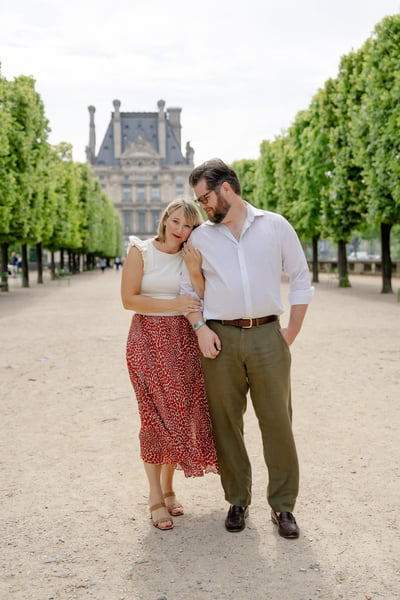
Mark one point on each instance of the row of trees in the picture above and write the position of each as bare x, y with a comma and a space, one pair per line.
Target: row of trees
336, 170
47, 200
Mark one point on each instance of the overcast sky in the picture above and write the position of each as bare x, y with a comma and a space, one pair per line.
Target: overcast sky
240, 70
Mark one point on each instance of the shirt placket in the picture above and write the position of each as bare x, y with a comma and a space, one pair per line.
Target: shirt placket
245, 281
244, 275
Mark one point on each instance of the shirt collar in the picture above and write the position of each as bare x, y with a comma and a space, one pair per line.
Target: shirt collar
252, 212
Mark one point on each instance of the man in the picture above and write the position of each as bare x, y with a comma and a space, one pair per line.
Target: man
244, 251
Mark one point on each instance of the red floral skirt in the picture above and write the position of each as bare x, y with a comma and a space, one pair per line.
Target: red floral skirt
164, 367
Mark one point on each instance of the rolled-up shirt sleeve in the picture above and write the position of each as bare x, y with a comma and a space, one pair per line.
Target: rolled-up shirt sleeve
296, 267
301, 296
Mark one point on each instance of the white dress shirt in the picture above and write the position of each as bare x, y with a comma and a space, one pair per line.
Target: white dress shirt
243, 277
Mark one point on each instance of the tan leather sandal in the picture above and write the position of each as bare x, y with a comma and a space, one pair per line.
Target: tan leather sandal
159, 522
175, 509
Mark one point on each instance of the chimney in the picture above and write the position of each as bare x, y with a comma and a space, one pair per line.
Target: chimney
174, 116
117, 129
91, 148
162, 134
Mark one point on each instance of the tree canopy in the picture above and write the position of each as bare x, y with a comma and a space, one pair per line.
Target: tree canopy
46, 199
337, 167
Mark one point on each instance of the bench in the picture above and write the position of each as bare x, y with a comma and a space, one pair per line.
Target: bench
64, 275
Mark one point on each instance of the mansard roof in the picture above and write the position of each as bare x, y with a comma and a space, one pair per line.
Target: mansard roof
133, 125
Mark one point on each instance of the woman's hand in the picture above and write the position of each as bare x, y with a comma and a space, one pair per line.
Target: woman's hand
191, 257
187, 303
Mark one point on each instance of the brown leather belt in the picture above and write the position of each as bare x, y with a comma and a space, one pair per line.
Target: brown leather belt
247, 323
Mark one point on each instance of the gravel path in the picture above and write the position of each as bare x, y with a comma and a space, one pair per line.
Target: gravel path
74, 518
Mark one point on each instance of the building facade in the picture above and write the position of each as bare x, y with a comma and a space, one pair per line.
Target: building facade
140, 165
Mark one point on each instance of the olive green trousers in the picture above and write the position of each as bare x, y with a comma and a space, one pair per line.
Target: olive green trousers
255, 360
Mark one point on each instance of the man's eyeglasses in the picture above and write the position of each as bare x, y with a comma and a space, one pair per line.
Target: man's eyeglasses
203, 199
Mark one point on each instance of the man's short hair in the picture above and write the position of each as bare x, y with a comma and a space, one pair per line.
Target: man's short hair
215, 172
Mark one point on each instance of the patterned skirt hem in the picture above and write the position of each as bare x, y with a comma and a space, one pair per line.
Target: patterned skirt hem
189, 471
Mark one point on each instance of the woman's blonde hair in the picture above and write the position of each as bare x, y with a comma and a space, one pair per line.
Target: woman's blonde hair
192, 214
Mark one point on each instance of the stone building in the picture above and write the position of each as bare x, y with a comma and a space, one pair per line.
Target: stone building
140, 165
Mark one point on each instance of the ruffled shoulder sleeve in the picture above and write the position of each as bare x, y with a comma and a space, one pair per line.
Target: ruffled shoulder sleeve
138, 243
144, 246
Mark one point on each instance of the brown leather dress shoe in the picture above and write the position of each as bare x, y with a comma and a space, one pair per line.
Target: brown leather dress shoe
235, 520
287, 526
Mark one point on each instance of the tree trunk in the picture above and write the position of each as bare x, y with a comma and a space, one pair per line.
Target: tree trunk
342, 265
61, 258
39, 259
52, 266
315, 259
76, 259
386, 259
4, 267
25, 266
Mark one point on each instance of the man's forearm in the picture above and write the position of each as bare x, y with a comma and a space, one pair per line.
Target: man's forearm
296, 318
194, 317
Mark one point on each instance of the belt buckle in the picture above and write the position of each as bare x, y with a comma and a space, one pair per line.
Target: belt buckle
249, 326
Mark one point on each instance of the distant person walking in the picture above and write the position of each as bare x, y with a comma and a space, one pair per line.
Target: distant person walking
117, 262
103, 264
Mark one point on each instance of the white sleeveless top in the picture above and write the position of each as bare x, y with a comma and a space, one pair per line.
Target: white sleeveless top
161, 273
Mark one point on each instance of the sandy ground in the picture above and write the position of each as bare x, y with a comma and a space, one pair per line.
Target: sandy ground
74, 517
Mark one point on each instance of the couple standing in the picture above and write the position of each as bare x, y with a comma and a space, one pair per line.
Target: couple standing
234, 263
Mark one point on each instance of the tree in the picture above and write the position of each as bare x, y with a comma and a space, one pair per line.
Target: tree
377, 133
66, 232
311, 162
285, 187
346, 207
28, 145
89, 192
265, 177
245, 170
338, 218
8, 196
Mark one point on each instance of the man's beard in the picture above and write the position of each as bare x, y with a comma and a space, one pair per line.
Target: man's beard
220, 211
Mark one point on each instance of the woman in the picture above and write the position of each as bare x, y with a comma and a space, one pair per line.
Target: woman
164, 360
